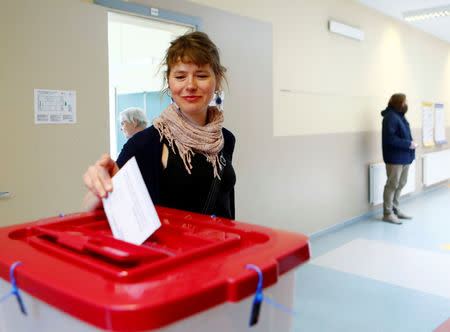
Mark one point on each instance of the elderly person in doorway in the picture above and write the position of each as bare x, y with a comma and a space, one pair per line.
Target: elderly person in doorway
132, 120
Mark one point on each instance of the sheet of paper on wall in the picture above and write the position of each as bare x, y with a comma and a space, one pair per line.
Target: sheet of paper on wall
427, 124
55, 106
439, 124
129, 208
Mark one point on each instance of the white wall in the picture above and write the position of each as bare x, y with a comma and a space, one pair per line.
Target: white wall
301, 157
58, 45
323, 76
328, 92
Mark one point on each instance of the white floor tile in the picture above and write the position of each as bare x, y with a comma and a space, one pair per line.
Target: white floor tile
418, 269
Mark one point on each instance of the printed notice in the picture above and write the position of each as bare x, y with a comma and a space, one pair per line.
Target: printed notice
427, 124
129, 208
54, 106
439, 124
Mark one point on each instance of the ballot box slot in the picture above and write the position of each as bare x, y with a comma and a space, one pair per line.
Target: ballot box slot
178, 242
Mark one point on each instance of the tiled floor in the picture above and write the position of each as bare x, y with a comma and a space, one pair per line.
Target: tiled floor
376, 276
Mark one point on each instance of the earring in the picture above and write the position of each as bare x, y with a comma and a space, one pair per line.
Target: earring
219, 100
171, 99
170, 95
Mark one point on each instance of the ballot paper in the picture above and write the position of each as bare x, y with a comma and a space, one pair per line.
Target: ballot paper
129, 208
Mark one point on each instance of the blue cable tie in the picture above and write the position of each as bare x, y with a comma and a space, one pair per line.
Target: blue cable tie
61, 214
259, 297
260, 275
15, 289
279, 306
257, 300
213, 216
5, 297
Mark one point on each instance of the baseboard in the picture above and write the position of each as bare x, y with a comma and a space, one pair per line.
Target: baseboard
375, 211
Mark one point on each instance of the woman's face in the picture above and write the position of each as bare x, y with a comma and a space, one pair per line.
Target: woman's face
405, 106
192, 89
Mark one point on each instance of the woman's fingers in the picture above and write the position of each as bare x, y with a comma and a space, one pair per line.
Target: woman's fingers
109, 164
91, 202
98, 176
93, 182
102, 175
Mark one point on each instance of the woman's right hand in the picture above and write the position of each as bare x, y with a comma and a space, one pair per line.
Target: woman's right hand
98, 180
413, 145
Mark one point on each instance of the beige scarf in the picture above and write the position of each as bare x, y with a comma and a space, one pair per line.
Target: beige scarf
190, 138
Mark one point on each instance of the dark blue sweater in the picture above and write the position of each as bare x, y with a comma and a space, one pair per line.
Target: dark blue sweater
146, 146
396, 138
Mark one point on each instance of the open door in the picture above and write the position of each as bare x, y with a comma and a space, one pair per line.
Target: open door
136, 49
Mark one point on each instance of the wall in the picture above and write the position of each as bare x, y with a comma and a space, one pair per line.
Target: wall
50, 44
52, 159
302, 154
312, 172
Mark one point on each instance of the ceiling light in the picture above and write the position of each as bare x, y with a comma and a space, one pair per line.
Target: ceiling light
427, 13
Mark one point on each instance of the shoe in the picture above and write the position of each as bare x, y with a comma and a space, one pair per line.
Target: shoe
392, 218
401, 215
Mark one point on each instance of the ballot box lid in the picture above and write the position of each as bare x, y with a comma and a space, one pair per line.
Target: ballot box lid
191, 263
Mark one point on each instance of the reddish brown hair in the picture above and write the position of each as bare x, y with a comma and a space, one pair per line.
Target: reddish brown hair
397, 101
197, 48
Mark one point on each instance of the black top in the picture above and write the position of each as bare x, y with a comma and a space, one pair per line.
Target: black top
189, 192
174, 187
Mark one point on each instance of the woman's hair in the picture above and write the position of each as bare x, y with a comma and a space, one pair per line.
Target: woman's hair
396, 101
134, 113
197, 48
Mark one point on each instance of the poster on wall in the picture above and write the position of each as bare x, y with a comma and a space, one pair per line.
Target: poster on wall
439, 124
54, 106
427, 124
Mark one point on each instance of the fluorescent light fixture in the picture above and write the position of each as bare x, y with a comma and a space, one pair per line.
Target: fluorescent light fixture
426, 14
345, 30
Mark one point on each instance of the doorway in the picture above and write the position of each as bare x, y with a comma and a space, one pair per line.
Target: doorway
136, 47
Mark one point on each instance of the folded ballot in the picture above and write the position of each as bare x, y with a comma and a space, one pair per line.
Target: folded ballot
129, 208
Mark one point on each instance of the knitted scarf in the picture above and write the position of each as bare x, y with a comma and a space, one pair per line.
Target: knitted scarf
190, 138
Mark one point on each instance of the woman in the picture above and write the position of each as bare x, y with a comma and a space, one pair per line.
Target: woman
398, 154
185, 157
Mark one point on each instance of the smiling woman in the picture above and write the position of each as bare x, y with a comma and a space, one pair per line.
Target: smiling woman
192, 89
185, 157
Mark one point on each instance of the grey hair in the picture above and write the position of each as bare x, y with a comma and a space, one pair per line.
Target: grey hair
134, 113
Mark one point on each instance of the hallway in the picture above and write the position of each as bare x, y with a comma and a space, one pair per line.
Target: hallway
376, 276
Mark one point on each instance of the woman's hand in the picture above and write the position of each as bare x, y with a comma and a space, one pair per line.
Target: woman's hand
413, 145
98, 180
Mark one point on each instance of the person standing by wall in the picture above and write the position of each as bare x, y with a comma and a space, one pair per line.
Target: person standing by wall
398, 154
132, 121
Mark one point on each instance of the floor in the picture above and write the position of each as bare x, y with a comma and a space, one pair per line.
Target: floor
376, 276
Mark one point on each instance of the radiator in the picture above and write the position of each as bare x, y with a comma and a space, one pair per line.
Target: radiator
377, 180
436, 167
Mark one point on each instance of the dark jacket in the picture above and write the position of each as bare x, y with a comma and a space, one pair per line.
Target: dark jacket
146, 146
396, 138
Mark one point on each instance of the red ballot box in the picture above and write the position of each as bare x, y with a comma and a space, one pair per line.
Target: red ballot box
190, 275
